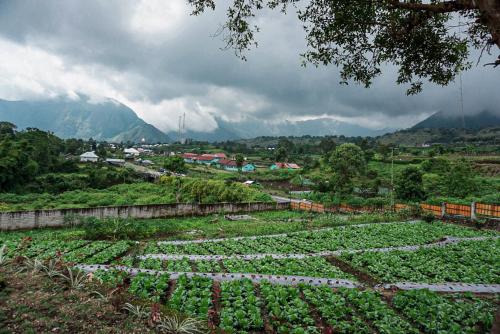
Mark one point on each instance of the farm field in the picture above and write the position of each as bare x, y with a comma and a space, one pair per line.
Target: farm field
200, 278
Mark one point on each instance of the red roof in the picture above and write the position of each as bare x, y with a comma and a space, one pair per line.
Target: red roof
227, 162
293, 166
205, 157
220, 155
189, 155
286, 165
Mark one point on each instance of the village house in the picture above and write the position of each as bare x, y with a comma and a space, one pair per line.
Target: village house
284, 165
116, 162
89, 157
131, 152
226, 164
207, 159
231, 165
189, 157
248, 168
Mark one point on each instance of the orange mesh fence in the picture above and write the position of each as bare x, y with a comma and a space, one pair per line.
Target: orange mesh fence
434, 209
305, 206
399, 206
491, 210
457, 209
347, 208
317, 208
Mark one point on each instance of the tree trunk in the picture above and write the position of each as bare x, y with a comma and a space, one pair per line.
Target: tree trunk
490, 16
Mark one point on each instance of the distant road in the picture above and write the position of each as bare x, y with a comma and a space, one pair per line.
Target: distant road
281, 199
143, 170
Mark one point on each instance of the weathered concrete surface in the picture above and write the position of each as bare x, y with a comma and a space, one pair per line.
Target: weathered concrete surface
51, 218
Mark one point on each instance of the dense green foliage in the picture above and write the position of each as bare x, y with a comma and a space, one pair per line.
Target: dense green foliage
409, 185
175, 164
211, 191
123, 194
459, 181
347, 162
26, 154
170, 190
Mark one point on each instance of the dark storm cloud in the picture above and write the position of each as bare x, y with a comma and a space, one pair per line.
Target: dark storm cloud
156, 57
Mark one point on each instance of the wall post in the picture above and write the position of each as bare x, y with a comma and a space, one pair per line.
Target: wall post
443, 209
473, 211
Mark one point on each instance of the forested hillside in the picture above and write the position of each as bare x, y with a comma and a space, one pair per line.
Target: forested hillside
82, 118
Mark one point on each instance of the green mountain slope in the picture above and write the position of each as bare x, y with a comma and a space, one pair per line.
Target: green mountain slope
440, 120
106, 120
417, 137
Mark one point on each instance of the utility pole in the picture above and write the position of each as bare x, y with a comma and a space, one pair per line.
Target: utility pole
183, 140
392, 179
179, 130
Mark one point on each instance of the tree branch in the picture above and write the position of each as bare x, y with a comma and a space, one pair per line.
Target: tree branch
441, 7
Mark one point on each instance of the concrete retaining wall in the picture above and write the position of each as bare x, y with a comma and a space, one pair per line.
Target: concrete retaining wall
48, 218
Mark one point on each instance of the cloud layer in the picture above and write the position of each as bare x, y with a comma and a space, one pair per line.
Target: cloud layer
162, 62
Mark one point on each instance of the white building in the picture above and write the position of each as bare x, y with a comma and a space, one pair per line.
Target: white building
116, 162
131, 151
89, 156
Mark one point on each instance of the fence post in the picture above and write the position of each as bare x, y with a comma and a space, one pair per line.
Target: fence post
443, 209
473, 211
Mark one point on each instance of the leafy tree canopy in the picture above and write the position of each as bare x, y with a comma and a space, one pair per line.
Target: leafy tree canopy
409, 185
421, 38
459, 180
175, 164
347, 162
240, 159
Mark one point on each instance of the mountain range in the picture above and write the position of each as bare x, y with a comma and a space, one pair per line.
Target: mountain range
256, 128
441, 120
113, 121
81, 118
480, 128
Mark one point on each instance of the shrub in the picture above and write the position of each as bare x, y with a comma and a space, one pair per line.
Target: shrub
115, 229
409, 185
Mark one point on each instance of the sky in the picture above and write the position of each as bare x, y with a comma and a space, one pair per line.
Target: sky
156, 58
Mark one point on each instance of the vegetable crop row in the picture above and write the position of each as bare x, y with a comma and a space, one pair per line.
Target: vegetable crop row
192, 296
435, 313
468, 262
240, 307
373, 236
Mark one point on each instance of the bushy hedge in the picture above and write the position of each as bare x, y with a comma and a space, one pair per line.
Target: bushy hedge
194, 190
328, 199
169, 190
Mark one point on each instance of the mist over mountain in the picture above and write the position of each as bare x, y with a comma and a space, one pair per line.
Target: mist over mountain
441, 120
256, 128
81, 118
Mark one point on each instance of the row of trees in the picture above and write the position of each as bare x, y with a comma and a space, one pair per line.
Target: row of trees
450, 180
349, 175
37, 161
